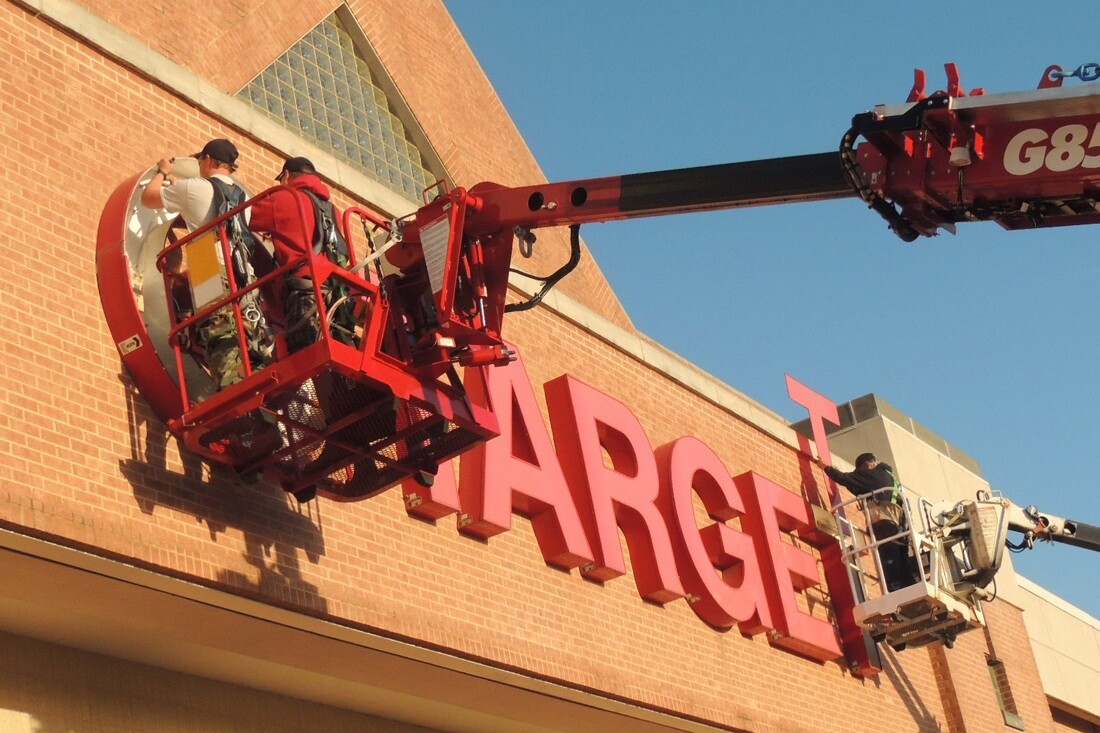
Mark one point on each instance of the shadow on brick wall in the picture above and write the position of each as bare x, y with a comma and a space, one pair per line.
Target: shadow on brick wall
908, 693
276, 529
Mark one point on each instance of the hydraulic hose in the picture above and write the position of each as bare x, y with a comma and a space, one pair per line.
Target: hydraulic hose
887, 210
551, 280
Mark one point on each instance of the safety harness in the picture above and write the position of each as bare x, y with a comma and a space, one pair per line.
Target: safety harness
242, 247
330, 242
895, 497
890, 506
326, 235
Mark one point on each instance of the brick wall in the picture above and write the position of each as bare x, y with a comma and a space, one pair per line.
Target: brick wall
83, 461
1008, 640
429, 62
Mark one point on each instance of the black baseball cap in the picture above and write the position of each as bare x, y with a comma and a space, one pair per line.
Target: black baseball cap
864, 458
297, 165
221, 150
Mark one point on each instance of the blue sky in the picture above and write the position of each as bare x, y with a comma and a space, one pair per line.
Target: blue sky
989, 338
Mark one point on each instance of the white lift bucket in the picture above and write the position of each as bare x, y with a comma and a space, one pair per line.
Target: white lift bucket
954, 551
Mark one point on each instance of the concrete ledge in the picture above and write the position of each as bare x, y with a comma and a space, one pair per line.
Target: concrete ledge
82, 600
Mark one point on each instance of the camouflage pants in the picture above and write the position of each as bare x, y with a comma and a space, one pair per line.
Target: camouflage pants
303, 319
218, 336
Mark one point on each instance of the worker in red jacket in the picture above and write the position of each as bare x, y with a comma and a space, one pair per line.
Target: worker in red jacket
301, 220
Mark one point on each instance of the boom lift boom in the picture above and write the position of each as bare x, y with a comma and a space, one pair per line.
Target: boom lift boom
431, 293
1045, 527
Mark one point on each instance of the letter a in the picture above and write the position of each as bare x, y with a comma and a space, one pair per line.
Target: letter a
587, 422
519, 471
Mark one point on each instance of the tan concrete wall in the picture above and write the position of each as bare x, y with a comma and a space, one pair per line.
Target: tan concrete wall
1066, 644
921, 467
45, 688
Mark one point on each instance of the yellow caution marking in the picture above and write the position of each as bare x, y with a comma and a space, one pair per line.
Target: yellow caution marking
204, 263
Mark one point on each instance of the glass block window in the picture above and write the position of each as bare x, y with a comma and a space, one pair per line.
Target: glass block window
323, 89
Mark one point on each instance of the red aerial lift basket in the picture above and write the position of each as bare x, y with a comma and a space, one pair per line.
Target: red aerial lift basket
344, 419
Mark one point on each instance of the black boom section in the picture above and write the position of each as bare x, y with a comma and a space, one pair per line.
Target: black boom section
1080, 534
814, 177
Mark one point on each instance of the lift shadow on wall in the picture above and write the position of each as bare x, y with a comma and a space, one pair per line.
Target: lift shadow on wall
276, 530
908, 693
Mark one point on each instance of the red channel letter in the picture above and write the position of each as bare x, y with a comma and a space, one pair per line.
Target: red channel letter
856, 646
788, 568
587, 423
519, 471
436, 501
820, 408
737, 595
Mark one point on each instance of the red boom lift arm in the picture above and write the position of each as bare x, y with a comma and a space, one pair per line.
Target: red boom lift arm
1025, 160
356, 418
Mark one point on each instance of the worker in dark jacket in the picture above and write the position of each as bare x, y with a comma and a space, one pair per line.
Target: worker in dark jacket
887, 516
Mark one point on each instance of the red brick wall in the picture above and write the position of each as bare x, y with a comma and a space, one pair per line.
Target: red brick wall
1009, 641
423, 53
83, 461
970, 697
226, 43
444, 85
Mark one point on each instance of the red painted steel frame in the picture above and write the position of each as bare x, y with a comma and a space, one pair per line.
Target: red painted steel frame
439, 418
1025, 160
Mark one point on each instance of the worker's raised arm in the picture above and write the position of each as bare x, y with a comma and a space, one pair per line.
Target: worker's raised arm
869, 476
151, 197
846, 480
